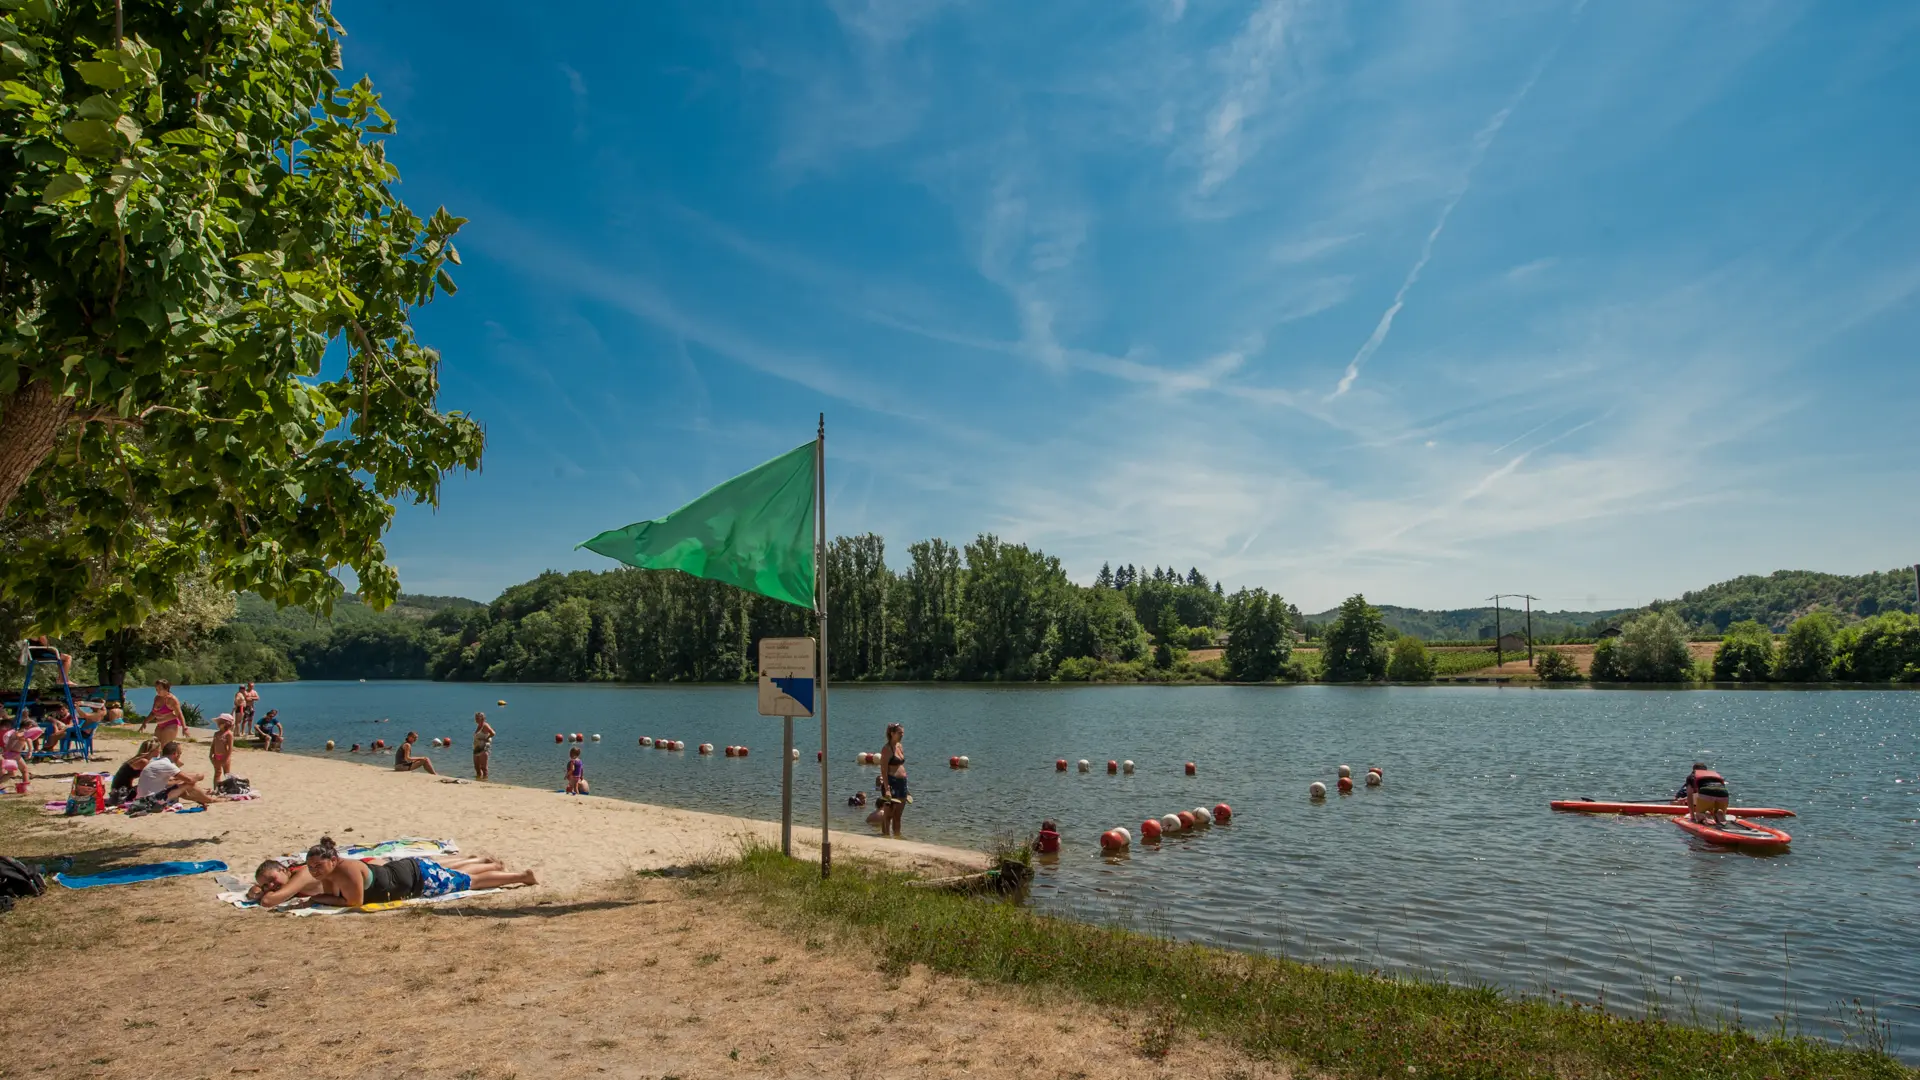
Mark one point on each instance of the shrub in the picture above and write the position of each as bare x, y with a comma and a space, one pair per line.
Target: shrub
1410, 661
1552, 665
1745, 654
1607, 666
1807, 653
1881, 649
1653, 648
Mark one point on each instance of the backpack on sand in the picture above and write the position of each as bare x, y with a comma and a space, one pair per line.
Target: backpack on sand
19, 879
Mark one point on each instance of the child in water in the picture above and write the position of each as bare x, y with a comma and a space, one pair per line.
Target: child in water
576, 773
1705, 792
858, 798
1048, 842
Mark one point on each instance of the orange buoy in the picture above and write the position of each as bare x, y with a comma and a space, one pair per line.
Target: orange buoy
1113, 840
1113, 767
953, 762
1346, 784
1149, 831
743, 752
1186, 819
1222, 813
1060, 765
557, 737
1190, 769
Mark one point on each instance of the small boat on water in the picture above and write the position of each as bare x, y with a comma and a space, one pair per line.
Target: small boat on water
1591, 806
1738, 833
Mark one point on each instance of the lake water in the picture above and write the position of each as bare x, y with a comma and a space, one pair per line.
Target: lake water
1454, 868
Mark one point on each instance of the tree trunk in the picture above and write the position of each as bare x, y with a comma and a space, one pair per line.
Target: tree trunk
30, 422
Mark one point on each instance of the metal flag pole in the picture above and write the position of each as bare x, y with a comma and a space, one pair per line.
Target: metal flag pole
820, 608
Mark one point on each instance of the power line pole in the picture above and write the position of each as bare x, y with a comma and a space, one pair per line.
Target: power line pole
1530, 600
1497, 658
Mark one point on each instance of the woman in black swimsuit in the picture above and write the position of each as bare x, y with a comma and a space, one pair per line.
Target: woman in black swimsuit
893, 766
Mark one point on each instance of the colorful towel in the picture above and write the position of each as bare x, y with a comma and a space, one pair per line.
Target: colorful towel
127, 875
239, 900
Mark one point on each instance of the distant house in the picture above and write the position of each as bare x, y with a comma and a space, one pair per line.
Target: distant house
1512, 643
1610, 632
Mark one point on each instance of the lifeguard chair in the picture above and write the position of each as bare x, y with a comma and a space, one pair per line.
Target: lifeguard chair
78, 735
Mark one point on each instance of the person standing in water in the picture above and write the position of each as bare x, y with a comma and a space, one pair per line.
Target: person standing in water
482, 745
893, 767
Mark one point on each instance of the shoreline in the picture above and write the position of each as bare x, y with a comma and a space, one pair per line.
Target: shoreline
570, 841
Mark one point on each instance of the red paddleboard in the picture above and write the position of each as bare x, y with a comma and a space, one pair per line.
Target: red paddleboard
1588, 806
1743, 834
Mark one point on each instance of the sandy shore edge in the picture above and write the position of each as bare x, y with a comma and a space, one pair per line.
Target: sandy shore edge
571, 842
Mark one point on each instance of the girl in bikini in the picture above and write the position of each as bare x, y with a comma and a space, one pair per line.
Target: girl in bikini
893, 766
482, 745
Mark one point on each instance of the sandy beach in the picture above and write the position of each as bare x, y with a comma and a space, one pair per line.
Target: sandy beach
596, 971
570, 841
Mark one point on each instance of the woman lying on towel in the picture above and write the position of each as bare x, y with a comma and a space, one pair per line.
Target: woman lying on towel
329, 879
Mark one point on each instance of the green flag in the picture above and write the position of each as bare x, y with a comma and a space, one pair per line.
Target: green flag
755, 531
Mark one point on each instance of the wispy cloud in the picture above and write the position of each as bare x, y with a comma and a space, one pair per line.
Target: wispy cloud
1482, 141
1248, 67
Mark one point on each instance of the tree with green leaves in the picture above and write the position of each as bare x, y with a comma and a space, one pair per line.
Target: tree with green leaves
1554, 666
1653, 648
1006, 610
1884, 648
1607, 665
1259, 639
1806, 655
1745, 654
1355, 649
206, 354
1105, 580
1410, 661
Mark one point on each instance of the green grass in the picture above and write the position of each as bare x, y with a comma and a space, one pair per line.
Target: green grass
1327, 1020
1459, 663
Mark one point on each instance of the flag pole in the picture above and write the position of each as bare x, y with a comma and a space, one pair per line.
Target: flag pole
820, 608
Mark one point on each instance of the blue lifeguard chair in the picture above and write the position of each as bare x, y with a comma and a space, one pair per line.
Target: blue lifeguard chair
79, 735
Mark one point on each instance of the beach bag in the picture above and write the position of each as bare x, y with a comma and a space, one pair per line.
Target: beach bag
234, 785
87, 796
19, 879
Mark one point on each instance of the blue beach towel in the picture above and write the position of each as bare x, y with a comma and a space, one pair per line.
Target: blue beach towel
126, 875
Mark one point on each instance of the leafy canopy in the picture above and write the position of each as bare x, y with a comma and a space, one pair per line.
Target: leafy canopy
206, 280
1355, 648
1745, 654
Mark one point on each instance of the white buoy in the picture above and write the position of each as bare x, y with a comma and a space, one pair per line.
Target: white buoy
1127, 767
966, 762
1202, 816
329, 744
596, 738
1317, 790
1170, 823
1373, 779
1085, 765
646, 740
1346, 770
796, 753
1126, 838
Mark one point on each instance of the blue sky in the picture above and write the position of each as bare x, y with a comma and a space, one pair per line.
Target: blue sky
1427, 300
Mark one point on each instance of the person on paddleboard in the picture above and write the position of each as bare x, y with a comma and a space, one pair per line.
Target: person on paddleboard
1705, 791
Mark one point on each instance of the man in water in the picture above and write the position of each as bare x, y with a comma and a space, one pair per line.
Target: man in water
1705, 792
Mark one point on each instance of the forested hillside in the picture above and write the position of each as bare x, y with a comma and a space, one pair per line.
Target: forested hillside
1478, 624
1777, 599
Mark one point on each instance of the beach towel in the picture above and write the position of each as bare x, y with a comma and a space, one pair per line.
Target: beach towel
233, 890
239, 900
127, 875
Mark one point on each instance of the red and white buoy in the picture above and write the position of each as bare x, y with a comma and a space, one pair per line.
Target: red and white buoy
1114, 840
706, 748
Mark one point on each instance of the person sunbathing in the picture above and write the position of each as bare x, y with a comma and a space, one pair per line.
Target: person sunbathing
329, 878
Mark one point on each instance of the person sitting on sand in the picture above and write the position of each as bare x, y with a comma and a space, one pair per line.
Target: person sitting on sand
576, 773
121, 789
163, 780
403, 759
346, 882
1705, 792
271, 737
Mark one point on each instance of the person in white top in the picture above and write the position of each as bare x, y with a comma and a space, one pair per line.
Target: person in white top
163, 776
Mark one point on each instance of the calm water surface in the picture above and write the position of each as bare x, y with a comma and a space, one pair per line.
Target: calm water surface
1454, 868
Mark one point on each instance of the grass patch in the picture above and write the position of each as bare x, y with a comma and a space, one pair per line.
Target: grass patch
1459, 663
1339, 1022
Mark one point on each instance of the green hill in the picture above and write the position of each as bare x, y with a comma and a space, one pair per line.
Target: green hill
1476, 624
1778, 598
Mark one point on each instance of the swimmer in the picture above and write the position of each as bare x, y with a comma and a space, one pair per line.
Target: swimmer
1048, 842
858, 798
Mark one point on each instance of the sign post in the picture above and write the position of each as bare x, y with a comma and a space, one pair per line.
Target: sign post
787, 668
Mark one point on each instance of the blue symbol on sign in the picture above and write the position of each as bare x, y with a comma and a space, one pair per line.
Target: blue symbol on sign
799, 688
